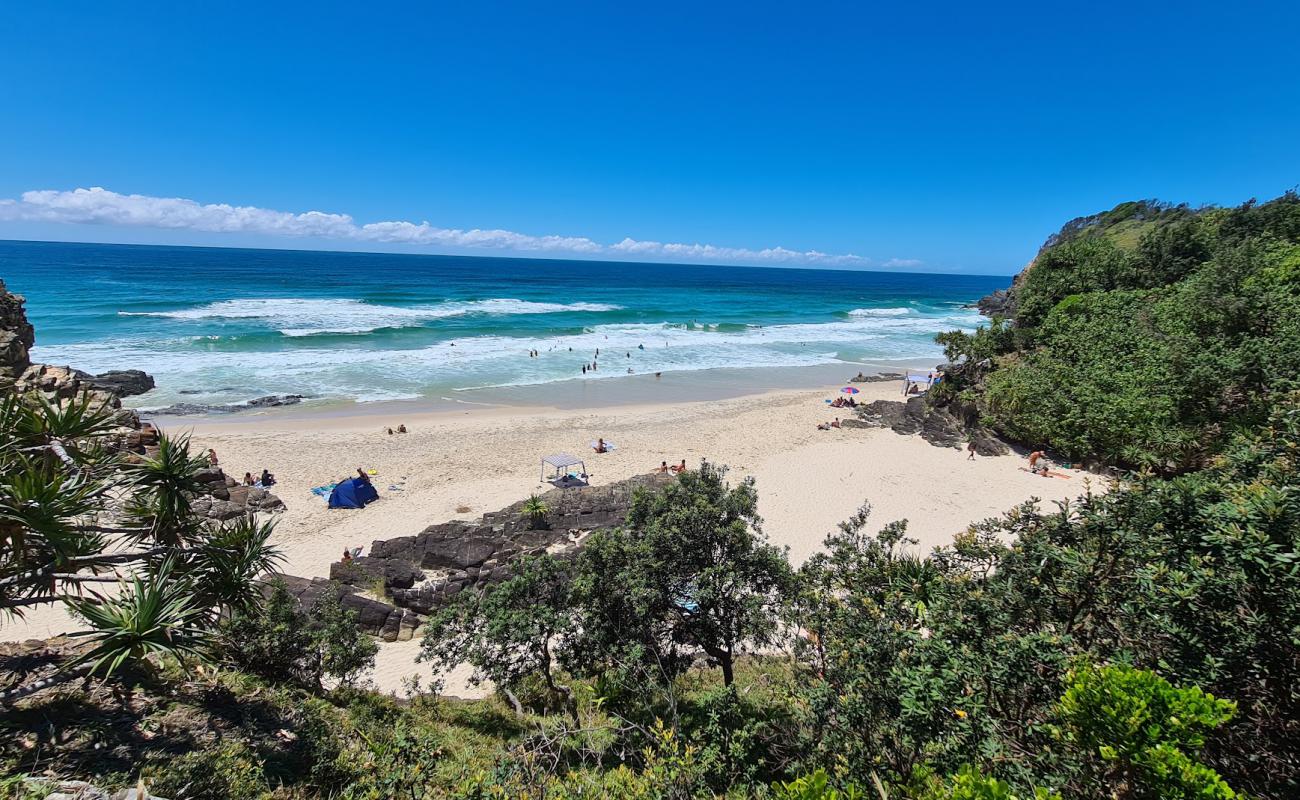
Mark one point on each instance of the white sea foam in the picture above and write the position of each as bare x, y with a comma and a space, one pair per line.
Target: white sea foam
880, 312
497, 360
308, 317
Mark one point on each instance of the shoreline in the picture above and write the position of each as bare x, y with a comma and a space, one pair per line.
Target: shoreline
462, 463
573, 394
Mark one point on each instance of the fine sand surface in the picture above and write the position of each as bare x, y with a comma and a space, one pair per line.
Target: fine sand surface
457, 465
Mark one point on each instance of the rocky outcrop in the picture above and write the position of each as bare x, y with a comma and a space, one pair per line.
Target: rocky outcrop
881, 377
57, 384
224, 498
942, 427
121, 382
998, 304
424, 571
16, 337
190, 409
373, 616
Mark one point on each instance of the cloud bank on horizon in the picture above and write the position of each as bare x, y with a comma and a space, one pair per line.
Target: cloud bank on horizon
99, 206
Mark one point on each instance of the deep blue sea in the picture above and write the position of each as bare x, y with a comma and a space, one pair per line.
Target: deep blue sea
225, 325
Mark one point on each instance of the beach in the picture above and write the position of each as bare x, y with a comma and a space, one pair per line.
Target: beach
459, 464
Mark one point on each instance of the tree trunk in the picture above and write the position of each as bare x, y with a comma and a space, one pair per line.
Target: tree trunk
10, 696
727, 675
514, 701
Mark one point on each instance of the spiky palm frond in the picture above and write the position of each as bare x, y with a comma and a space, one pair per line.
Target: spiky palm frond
43, 516
163, 488
155, 614
77, 426
226, 567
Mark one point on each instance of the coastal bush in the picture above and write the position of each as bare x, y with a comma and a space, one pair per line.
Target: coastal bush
690, 571
1145, 343
285, 644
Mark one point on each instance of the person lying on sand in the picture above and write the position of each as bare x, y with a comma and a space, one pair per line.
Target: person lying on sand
1045, 472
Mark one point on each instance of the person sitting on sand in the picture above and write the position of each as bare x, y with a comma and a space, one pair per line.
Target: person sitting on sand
362, 476
836, 423
267, 478
600, 446
390, 431
248, 479
347, 555
677, 469
212, 458
401, 429
663, 467
1035, 456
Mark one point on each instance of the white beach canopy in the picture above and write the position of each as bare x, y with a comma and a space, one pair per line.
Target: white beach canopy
561, 461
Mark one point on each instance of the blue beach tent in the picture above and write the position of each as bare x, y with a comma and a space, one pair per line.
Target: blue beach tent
353, 493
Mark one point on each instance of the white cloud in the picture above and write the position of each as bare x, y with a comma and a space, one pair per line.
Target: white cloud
98, 206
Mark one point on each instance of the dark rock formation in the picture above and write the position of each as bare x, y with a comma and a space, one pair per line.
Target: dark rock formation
463, 555
190, 409
121, 382
224, 498
950, 426
373, 616
878, 378
998, 304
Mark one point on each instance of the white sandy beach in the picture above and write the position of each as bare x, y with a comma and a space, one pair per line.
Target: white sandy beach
457, 465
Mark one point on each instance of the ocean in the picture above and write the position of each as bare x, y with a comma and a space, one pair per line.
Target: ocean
218, 325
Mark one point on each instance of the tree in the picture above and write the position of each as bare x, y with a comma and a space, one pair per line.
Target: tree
1145, 731
508, 632
74, 506
285, 643
692, 568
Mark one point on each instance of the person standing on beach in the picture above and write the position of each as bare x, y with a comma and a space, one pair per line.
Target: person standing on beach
970, 449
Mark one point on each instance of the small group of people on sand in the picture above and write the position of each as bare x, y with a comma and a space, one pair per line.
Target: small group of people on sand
400, 429
844, 402
263, 482
825, 426
675, 469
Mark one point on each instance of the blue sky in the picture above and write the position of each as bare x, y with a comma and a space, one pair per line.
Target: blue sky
937, 136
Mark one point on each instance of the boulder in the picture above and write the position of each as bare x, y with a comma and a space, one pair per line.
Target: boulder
122, 382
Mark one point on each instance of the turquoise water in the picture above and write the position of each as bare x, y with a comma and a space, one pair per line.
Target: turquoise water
217, 325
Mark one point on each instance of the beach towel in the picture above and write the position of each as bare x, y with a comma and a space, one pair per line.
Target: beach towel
609, 446
323, 491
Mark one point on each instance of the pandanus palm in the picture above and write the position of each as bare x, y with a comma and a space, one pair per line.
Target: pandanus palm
225, 568
153, 615
163, 489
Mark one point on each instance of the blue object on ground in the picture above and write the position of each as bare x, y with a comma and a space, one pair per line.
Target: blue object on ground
353, 493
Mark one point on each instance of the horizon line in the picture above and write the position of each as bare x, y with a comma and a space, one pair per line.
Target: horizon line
513, 257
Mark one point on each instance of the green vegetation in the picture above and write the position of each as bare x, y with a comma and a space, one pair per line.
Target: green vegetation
1146, 336
1135, 644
